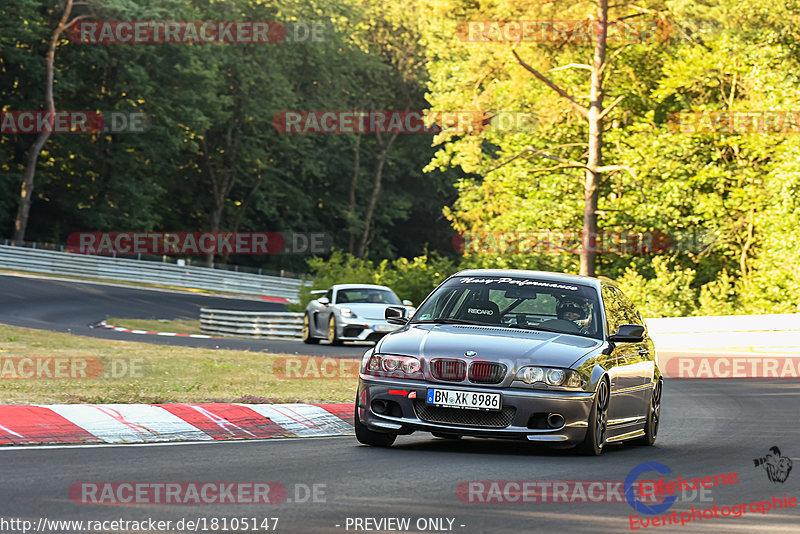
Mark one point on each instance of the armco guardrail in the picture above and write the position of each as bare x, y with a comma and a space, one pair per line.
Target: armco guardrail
194, 277
270, 325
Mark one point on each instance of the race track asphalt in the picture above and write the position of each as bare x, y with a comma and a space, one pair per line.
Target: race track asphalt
709, 427
72, 306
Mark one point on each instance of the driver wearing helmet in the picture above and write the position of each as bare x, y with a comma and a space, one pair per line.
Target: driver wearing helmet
575, 310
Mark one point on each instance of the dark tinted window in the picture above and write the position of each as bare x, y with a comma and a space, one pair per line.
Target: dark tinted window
515, 302
619, 309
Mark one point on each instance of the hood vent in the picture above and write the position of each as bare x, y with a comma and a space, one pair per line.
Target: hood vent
496, 329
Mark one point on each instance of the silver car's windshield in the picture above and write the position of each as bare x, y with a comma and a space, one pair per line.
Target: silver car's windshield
366, 295
515, 302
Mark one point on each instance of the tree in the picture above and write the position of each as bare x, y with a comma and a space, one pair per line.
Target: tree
26, 191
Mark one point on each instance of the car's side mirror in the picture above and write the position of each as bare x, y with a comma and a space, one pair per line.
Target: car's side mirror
628, 333
324, 301
395, 315
407, 303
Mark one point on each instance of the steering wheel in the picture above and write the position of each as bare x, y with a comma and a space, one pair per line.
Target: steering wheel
567, 327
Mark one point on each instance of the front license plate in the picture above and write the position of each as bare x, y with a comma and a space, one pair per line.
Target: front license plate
452, 398
384, 328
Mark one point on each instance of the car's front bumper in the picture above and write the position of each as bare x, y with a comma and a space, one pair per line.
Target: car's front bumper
357, 329
523, 408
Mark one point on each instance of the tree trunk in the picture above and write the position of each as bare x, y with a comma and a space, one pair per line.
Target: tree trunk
243, 209
351, 205
26, 191
221, 184
591, 190
376, 190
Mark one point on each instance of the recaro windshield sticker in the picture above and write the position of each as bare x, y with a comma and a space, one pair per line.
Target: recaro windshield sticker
515, 281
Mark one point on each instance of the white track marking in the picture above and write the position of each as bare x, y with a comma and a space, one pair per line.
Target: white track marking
303, 419
124, 423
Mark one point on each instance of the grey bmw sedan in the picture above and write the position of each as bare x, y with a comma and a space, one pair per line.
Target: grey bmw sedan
544, 357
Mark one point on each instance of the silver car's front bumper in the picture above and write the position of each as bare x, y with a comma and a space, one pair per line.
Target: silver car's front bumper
523, 408
358, 329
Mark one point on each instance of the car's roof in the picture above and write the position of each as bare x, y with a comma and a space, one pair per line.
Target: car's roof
539, 275
358, 286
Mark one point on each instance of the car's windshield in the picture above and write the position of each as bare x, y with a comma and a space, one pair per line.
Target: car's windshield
515, 302
366, 295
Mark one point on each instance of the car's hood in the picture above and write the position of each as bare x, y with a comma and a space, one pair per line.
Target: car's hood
370, 310
510, 346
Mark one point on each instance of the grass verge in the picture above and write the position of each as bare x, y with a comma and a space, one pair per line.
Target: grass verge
126, 372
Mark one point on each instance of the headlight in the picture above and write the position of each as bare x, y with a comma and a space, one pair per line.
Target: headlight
550, 376
393, 366
529, 375
555, 377
347, 312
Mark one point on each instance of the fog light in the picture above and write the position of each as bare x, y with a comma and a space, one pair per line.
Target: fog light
379, 406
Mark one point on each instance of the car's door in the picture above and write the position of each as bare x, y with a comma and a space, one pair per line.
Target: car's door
644, 359
324, 313
625, 405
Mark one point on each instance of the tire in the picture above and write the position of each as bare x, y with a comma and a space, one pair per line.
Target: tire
597, 428
306, 333
653, 418
368, 437
333, 339
445, 436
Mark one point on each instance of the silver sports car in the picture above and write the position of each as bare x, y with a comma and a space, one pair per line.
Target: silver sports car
545, 357
351, 312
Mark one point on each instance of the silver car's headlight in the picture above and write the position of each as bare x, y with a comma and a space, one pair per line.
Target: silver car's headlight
552, 376
347, 312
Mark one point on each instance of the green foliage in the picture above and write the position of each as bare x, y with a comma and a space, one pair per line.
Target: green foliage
409, 279
742, 189
668, 293
211, 156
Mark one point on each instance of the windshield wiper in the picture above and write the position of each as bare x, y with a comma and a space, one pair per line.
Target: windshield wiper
448, 320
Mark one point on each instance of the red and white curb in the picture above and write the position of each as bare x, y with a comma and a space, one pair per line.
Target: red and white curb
139, 423
103, 324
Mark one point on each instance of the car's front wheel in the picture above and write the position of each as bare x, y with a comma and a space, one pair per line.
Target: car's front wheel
653, 417
368, 437
598, 422
306, 333
333, 338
